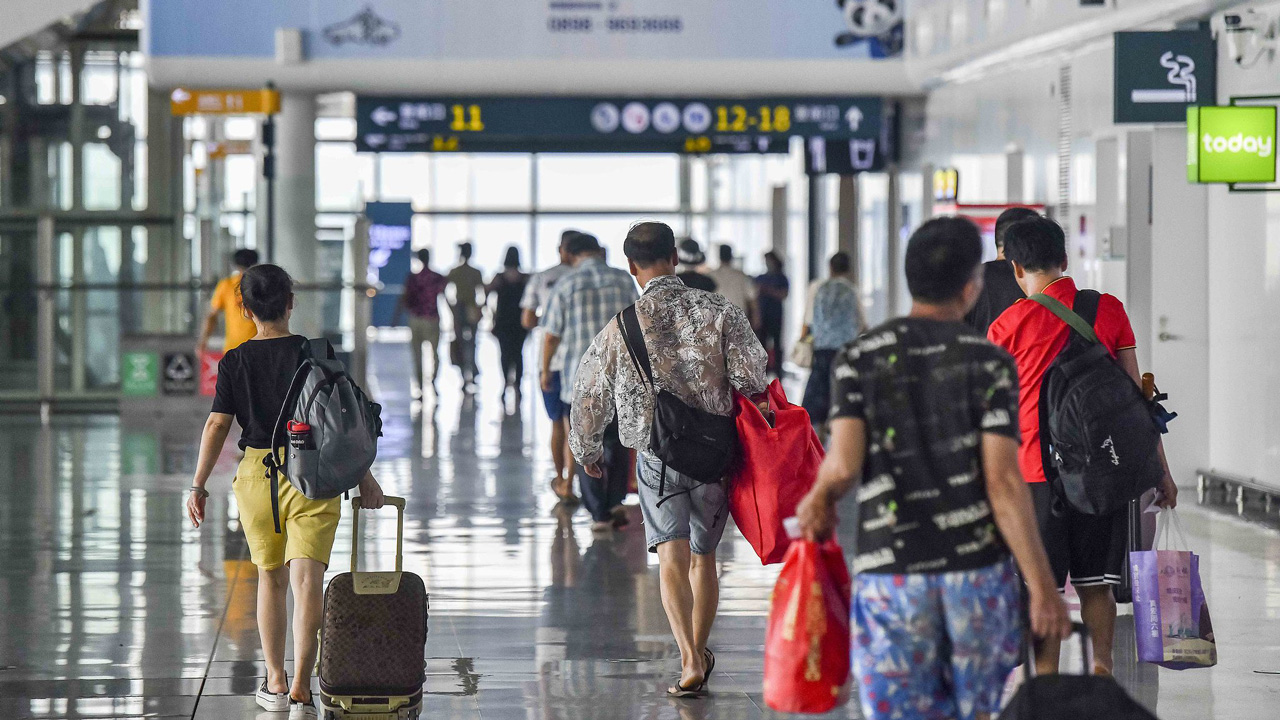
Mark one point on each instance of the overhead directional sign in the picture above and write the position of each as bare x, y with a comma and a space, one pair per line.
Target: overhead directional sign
261, 101
493, 124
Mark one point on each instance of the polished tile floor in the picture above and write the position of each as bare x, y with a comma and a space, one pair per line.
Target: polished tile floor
112, 606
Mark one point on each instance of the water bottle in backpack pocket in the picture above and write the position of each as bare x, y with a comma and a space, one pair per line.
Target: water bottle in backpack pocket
1099, 437
332, 430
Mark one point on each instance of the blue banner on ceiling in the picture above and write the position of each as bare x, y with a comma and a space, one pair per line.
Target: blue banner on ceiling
502, 30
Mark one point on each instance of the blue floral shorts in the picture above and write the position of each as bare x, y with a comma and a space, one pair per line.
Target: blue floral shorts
935, 646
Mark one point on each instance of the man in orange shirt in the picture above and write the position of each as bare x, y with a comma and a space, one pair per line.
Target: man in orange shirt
226, 300
1090, 549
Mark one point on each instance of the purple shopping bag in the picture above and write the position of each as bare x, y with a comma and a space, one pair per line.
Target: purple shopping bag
1170, 613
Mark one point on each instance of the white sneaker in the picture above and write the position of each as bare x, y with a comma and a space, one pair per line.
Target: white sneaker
302, 710
272, 702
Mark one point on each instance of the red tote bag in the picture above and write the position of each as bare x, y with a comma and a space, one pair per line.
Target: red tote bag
777, 465
806, 644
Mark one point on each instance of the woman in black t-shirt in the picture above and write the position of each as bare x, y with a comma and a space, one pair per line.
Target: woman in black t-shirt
253, 381
508, 288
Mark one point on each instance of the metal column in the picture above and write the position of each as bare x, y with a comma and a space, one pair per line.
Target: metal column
46, 352
815, 226
896, 274
362, 304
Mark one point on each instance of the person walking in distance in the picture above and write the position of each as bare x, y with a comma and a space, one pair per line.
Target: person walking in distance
999, 287
532, 304
834, 318
691, 260
508, 288
1090, 550
421, 299
226, 302
735, 285
581, 304
924, 425
772, 289
701, 348
468, 298
253, 384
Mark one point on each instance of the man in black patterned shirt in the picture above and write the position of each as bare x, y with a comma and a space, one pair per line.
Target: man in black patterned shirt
925, 415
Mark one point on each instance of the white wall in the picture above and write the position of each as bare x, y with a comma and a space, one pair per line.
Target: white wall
1244, 306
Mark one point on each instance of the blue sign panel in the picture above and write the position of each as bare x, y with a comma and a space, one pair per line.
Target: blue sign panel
390, 248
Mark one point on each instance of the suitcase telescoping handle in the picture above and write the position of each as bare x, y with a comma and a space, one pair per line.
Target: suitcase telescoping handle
398, 502
1086, 650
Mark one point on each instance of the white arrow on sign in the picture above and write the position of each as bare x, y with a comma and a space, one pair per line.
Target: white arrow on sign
383, 116
854, 116
375, 139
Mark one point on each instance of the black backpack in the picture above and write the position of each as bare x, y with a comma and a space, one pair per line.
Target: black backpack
1100, 441
693, 442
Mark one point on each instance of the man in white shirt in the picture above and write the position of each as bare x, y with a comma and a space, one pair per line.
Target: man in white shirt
534, 302
736, 286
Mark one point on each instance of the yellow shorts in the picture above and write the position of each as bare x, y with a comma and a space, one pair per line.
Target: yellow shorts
307, 527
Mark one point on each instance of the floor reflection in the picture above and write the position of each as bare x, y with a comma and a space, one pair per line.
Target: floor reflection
116, 608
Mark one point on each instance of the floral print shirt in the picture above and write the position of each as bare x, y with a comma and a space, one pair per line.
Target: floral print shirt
701, 348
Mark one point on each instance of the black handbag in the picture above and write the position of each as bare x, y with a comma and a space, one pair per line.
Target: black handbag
695, 443
1072, 697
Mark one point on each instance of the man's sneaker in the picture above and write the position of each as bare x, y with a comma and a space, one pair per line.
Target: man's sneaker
302, 710
272, 702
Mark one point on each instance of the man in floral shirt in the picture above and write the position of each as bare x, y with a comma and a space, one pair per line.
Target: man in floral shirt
702, 348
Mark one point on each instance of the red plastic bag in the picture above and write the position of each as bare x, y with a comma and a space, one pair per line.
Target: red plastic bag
777, 465
806, 645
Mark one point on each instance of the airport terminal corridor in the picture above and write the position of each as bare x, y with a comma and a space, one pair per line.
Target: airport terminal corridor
119, 609
1014, 263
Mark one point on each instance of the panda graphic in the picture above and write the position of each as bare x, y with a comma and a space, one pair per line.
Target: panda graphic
878, 23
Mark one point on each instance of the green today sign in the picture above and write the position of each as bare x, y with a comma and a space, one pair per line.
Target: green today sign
1231, 144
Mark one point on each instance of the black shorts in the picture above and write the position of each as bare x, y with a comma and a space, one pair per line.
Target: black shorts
1091, 549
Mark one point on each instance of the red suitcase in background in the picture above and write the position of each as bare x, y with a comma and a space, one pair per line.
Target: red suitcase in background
777, 465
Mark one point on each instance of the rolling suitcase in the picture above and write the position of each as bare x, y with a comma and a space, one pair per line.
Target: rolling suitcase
1072, 697
373, 637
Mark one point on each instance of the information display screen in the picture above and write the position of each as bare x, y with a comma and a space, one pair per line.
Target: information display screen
511, 124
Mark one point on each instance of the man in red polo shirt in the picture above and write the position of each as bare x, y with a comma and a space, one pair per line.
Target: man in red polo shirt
1090, 549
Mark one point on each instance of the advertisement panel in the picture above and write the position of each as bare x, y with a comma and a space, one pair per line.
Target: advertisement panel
503, 30
1231, 144
390, 248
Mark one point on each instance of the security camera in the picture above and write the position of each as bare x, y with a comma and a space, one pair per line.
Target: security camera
1250, 35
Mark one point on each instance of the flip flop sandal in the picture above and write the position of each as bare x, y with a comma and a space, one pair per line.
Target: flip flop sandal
711, 662
680, 691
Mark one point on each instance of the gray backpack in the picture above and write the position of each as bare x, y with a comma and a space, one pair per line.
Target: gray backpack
332, 430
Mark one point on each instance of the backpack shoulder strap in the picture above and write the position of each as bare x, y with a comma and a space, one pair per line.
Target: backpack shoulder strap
316, 349
1086, 306
1083, 327
633, 338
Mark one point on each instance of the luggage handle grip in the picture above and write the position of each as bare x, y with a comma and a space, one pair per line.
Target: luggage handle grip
1029, 658
398, 503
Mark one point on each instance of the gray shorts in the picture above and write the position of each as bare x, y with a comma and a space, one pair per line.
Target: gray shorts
692, 511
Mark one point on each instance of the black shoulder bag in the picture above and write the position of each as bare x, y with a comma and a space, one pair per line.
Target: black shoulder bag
695, 443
